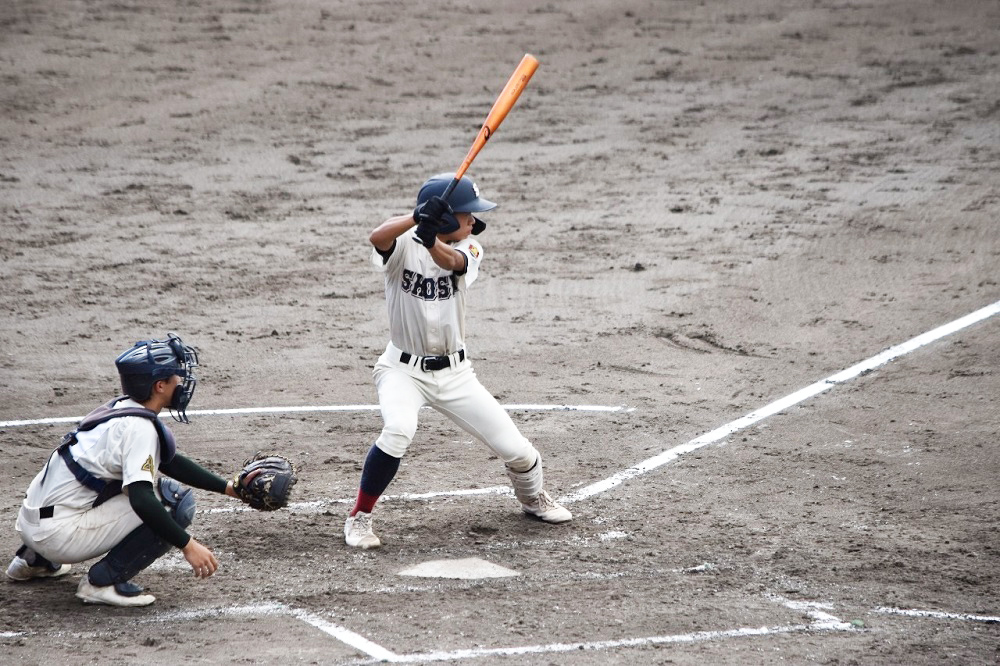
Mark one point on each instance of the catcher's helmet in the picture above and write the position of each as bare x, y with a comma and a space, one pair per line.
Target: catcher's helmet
463, 199
149, 361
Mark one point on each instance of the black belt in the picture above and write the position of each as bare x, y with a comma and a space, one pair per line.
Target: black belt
432, 362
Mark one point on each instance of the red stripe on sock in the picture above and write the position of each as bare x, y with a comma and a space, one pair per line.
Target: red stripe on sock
365, 502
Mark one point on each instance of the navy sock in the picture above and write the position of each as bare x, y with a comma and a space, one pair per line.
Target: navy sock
379, 470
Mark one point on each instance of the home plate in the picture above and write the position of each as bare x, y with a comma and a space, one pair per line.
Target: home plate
470, 567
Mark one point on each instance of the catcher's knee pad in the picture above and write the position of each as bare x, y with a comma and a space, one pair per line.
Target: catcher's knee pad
178, 499
528, 483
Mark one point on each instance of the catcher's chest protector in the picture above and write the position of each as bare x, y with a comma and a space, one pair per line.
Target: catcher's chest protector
107, 489
106, 412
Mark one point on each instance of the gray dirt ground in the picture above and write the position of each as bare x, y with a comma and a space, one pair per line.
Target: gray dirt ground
704, 207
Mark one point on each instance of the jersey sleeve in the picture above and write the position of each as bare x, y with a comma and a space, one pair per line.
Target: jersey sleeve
474, 253
379, 258
140, 448
392, 259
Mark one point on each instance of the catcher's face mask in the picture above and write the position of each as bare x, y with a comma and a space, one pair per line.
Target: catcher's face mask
187, 357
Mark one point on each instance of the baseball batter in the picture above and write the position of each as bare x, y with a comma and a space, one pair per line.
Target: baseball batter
430, 260
98, 493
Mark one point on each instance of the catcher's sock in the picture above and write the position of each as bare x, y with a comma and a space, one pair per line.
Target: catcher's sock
378, 472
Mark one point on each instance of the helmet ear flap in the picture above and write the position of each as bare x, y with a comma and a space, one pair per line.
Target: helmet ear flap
449, 223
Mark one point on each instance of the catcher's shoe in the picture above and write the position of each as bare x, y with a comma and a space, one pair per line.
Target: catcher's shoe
20, 570
544, 507
358, 531
119, 594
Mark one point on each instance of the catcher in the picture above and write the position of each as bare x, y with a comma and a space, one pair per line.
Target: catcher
99, 493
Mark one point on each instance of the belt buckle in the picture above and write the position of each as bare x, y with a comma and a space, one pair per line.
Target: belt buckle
430, 363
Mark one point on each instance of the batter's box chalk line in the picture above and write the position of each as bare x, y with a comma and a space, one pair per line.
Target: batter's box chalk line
820, 621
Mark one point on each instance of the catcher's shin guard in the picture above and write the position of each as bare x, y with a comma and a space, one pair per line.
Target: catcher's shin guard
141, 547
527, 484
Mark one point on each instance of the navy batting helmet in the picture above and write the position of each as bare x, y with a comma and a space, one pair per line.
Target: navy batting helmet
463, 199
149, 361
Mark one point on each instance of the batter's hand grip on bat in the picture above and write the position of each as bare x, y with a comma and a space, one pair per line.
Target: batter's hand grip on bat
503, 104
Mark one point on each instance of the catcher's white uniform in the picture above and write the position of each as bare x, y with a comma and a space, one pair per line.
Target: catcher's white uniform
426, 306
125, 448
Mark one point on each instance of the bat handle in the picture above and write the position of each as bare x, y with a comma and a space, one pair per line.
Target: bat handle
451, 188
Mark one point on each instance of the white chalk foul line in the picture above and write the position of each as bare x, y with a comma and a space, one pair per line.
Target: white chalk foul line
939, 615
342, 634
298, 409
783, 403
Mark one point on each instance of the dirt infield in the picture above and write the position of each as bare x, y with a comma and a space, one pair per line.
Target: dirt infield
704, 207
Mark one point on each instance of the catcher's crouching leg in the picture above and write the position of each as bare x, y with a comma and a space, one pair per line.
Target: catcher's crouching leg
141, 547
530, 492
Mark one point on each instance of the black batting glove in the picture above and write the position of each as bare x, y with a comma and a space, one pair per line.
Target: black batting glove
427, 232
431, 210
428, 218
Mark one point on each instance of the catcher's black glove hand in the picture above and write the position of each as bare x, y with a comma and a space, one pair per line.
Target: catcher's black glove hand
265, 482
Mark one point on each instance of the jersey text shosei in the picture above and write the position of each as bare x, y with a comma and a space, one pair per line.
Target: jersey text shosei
429, 288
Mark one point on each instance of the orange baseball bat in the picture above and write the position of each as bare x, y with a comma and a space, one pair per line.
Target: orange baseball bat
503, 104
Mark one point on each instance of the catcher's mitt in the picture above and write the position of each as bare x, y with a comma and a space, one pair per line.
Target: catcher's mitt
265, 482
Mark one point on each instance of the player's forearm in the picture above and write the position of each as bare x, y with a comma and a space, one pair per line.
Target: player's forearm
448, 258
188, 471
384, 235
150, 510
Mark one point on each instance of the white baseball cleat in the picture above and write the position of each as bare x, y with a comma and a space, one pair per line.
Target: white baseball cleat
20, 570
544, 507
358, 531
122, 594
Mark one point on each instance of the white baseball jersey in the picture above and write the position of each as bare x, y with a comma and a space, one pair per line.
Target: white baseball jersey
426, 302
125, 448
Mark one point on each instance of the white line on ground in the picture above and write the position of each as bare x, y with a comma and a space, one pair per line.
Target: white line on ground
250, 610
938, 615
342, 634
601, 645
325, 408
782, 404
315, 506
822, 621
